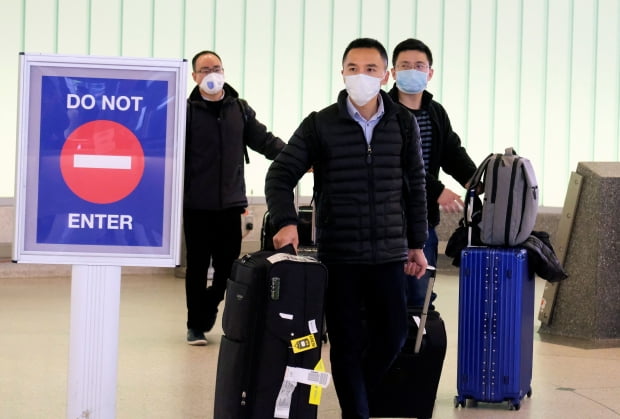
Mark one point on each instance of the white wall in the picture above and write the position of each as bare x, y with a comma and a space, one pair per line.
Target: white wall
539, 75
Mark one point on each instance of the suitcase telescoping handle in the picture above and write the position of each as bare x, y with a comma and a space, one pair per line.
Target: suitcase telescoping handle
427, 301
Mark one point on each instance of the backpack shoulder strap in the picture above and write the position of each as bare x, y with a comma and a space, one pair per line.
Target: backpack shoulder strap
243, 104
476, 178
470, 218
309, 132
405, 117
244, 111
188, 118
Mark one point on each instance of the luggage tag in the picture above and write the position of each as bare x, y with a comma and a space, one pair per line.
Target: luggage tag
305, 343
283, 402
307, 376
292, 376
279, 257
316, 391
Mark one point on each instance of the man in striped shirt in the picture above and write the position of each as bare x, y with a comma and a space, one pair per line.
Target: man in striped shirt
412, 62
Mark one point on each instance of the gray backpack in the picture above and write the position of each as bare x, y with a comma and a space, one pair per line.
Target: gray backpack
510, 202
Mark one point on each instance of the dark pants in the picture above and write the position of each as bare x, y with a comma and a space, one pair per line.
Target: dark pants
416, 288
366, 315
210, 236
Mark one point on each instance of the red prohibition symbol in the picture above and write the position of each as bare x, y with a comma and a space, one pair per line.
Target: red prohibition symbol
102, 161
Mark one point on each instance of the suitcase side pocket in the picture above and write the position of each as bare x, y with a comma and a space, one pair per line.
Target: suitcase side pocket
236, 318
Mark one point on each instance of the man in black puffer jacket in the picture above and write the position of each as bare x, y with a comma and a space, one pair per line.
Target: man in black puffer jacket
219, 126
370, 219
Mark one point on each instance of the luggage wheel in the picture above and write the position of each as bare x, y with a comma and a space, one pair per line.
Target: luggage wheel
459, 402
514, 405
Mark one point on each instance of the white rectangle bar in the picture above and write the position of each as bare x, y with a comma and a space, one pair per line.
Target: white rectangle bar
98, 161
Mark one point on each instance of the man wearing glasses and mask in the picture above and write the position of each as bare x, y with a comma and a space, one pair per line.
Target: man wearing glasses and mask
412, 62
219, 127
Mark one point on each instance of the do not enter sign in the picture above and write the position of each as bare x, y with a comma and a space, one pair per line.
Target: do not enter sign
102, 161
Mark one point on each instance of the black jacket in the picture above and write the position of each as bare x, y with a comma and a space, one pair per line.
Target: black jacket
214, 151
446, 154
365, 214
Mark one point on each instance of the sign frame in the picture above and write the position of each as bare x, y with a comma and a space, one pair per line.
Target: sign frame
158, 196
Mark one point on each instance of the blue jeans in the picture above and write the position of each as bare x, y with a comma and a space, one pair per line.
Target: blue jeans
417, 287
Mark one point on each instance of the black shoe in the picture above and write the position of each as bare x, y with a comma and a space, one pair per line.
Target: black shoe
196, 338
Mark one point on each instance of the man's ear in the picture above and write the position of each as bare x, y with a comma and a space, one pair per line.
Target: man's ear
386, 77
431, 71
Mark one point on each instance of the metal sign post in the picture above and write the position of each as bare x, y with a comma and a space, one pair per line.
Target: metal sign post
93, 346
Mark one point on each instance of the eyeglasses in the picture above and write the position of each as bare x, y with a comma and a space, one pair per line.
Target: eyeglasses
420, 66
207, 70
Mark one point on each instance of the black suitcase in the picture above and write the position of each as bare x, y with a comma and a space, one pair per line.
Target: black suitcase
272, 323
409, 388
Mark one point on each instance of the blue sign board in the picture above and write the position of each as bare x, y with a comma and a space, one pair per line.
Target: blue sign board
101, 161
87, 204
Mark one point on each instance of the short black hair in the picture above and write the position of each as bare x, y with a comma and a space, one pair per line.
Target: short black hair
366, 43
412, 44
202, 53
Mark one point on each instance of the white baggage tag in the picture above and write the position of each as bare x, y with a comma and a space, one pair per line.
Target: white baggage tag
283, 402
306, 376
279, 257
292, 376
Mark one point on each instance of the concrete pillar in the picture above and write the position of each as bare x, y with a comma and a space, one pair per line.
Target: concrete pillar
587, 305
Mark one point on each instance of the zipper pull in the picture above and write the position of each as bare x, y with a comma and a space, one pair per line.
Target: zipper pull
369, 154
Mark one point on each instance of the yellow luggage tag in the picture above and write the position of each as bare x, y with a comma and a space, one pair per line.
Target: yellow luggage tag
317, 391
304, 343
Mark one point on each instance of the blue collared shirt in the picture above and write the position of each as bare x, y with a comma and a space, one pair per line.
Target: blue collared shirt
367, 126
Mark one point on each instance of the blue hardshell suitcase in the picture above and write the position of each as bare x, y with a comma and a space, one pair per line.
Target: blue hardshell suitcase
496, 326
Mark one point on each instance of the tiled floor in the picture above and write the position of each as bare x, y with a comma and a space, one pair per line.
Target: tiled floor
160, 376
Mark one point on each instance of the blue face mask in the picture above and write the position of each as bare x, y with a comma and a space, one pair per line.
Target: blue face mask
411, 81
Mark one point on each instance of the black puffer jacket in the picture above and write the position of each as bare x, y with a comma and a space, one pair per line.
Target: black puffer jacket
363, 213
446, 153
214, 151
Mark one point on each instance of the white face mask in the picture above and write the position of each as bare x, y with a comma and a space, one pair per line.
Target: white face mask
362, 88
212, 83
